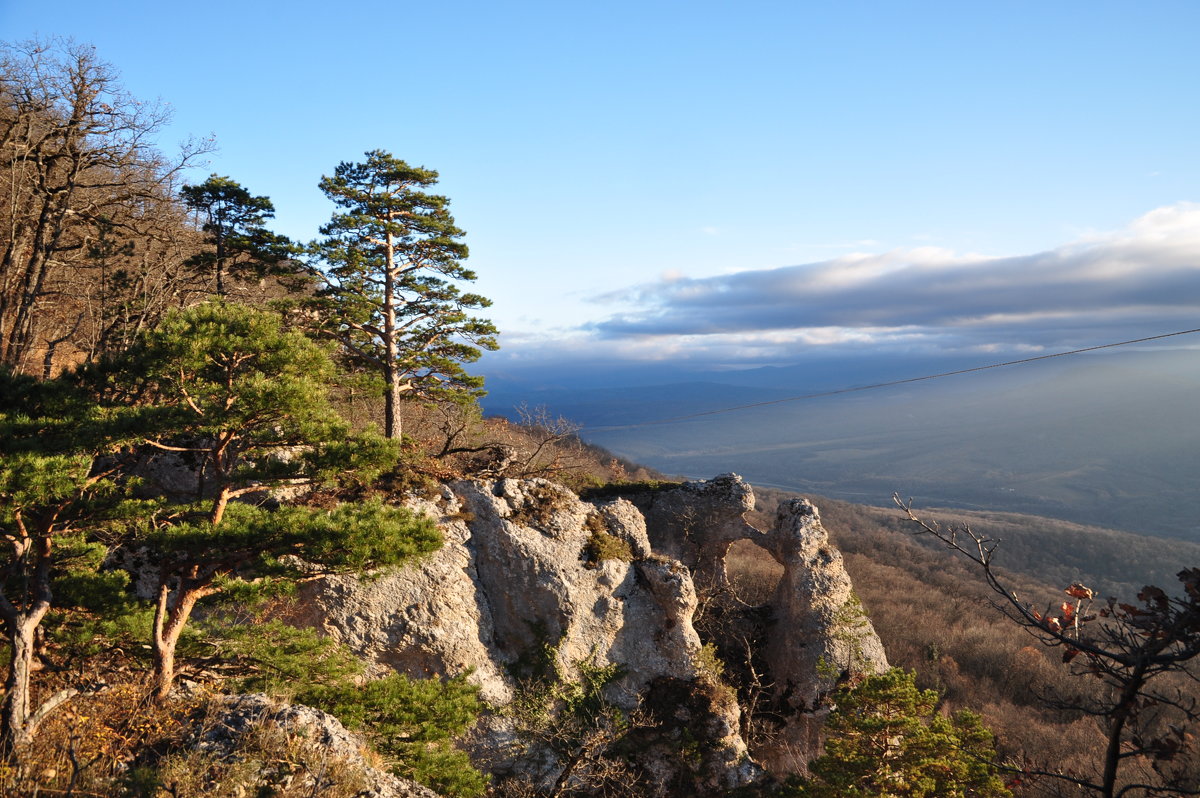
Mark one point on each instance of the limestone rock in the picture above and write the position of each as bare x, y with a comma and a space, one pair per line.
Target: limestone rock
822, 635
514, 593
238, 714
426, 620
818, 634
697, 522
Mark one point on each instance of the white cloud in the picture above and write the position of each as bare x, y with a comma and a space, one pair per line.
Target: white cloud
1154, 263
1129, 283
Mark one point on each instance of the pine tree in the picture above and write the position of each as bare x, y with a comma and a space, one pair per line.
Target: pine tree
886, 738
390, 258
234, 224
229, 386
413, 722
57, 479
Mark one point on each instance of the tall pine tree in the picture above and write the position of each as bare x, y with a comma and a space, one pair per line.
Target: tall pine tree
233, 221
390, 259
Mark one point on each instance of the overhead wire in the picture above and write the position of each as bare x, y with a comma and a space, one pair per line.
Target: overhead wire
890, 383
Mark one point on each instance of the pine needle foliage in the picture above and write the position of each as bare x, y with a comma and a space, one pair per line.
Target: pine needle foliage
413, 722
57, 478
239, 246
887, 739
247, 400
275, 658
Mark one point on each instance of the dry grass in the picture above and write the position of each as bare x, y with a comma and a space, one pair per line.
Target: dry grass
269, 761
89, 746
450, 441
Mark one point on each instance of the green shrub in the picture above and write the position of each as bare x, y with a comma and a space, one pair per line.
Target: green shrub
602, 545
886, 738
413, 722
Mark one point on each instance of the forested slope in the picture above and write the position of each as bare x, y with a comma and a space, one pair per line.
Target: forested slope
935, 615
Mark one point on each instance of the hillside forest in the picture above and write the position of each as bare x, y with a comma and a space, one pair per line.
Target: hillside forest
199, 415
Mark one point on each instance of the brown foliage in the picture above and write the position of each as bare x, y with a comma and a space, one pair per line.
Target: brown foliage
118, 742
452, 440
933, 616
92, 237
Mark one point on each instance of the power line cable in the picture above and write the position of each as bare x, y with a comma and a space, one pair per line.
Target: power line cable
839, 391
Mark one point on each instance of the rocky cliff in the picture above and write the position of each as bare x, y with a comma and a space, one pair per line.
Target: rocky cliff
536, 589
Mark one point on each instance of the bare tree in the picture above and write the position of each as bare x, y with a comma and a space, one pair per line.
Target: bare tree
548, 445
1142, 656
78, 169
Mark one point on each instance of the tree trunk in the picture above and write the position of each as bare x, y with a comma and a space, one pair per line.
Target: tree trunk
391, 407
14, 718
219, 505
1116, 727
220, 264
164, 670
15, 726
169, 620
391, 344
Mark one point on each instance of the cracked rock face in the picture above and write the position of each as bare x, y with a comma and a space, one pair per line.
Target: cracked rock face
508, 582
519, 581
426, 620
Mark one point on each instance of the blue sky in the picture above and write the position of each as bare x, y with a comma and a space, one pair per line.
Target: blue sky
723, 183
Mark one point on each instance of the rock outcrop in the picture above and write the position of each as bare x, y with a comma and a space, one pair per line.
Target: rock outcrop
697, 522
822, 634
818, 635
532, 580
235, 716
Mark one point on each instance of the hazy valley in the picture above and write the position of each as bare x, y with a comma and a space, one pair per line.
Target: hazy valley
1109, 440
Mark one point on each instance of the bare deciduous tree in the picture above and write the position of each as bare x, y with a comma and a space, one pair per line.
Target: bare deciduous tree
549, 445
82, 187
1142, 656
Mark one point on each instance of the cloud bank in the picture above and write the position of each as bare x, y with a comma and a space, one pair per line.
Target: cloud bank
1139, 281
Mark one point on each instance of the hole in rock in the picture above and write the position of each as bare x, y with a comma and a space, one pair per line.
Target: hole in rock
753, 572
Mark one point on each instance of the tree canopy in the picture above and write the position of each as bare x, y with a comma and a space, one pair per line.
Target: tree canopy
57, 478
91, 229
246, 401
234, 223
